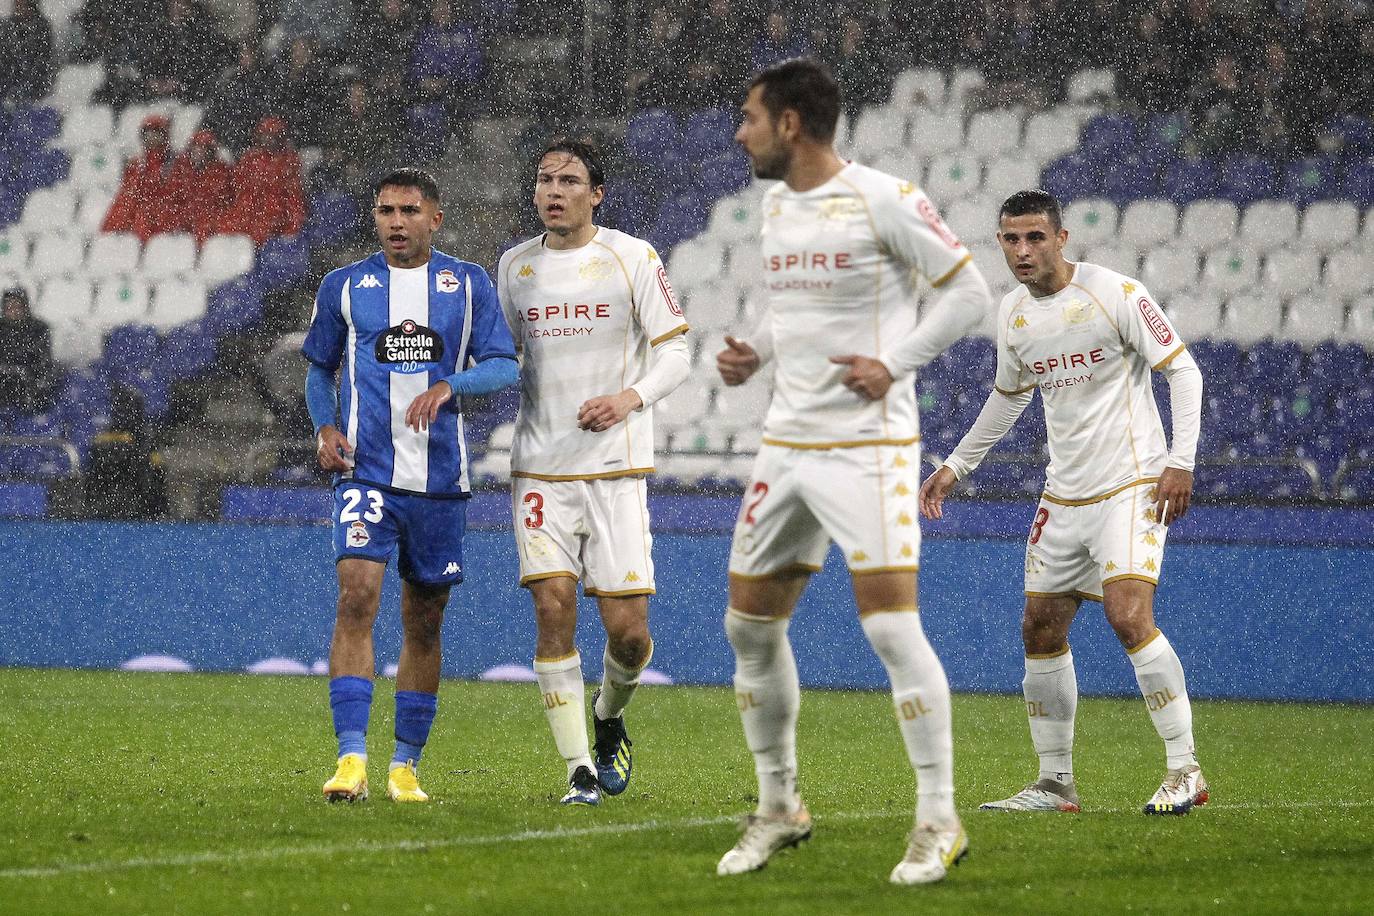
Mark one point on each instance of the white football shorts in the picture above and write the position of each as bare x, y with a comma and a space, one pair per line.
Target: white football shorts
1075, 549
799, 500
593, 530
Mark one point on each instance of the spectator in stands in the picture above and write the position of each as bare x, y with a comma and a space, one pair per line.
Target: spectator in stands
383, 31
180, 55
710, 42
201, 187
269, 199
323, 21
142, 205
1223, 114
26, 54
1357, 90
358, 148
1148, 74
1019, 60
242, 96
655, 75
27, 379
307, 92
447, 61
860, 66
779, 41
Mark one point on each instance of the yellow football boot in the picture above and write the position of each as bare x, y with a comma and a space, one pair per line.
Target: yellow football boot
350, 780
402, 785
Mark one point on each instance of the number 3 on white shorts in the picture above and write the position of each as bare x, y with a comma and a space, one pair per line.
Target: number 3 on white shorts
351, 498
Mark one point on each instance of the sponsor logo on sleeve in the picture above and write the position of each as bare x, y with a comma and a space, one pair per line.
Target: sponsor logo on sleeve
937, 225
668, 295
1154, 320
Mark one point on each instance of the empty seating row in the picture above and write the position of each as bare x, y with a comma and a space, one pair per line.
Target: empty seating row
59, 254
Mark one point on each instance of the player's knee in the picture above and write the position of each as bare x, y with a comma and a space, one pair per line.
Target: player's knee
358, 604
755, 637
629, 647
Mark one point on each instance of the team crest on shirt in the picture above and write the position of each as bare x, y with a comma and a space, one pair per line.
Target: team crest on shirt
357, 535
595, 269
1078, 311
841, 208
409, 347
446, 282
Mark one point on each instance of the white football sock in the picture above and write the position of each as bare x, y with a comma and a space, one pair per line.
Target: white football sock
618, 684
560, 683
1051, 690
920, 693
768, 695
1160, 676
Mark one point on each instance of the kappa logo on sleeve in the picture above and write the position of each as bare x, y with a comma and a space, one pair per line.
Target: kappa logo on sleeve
1154, 320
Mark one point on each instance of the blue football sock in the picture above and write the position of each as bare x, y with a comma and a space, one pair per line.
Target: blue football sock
414, 716
350, 699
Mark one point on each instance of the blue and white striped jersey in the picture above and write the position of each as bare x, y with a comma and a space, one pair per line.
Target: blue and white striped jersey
395, 332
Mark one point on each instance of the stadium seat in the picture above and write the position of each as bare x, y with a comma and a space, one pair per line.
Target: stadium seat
96, 166
961, 82
14, 253
685, 405
1246, 179
724, 174
1359, 323
186, 353
1091, 221
1312, 319
1207, 224
650, 133
1168, 270
679, 217
973, 219
1049, 134
1196, 313
1231, 268
1251, 316
334, 217
935, 132
32, 127
122, 300
953, 175
712, 308
77, 342
1310, 179
91, 209
698, 260
1291, 271
1072, 177
734, 218
282, 262
1358, 184
56, 254
233, 306
994, 132
1122, 258
626, 208
904, 163
1268, 224
1091, 84
1005, 176
1187, 180
48, 209
1108, 136
1129, 178
87, 124
224, 257
1146, 224
1330, 224
919, 88
177, 301
708, 131
112, 254
130, 348
169, 255
73, 86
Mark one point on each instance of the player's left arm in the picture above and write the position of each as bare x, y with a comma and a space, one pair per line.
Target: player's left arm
660, 319
490, 347
909, 227
1146, 329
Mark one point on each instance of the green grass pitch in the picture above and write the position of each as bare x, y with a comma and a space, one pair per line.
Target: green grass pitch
138, 793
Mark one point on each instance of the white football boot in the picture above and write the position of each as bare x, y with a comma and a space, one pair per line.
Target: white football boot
762, 837
1182, 790
1041, 795
930, 854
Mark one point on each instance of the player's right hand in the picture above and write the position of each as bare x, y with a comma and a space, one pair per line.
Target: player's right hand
333, 450
934, 491
737, 361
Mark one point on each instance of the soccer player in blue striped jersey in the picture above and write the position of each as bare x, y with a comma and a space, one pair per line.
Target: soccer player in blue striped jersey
408, 330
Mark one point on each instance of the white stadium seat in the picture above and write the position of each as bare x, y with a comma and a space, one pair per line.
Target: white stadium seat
77, 343
1232, 268
734, 218
225, 257
1347, 274
742, 406
176, 302
1168, 270
935, 132
1147, 224
185, 120
1090, 221
96, 166
74, 85
973, 219
1005, 176
880, 128
63, 301
685, 405
1312, 319
56, 254
1209, 224
1251, 315
952, 176
1121, 258
1049, 135
1195, 313
120, 301
502, 437
1291, 271
1359, 324
112, 254
904, 163
1086, 85
994, 132
961, 83
48, 209
923, 88
698, 260
91, 210
14, 253
1268, 224
172, 254
1329, 224
86, 125
711, 308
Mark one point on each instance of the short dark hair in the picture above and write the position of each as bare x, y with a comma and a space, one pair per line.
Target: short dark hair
805, 86
411, 177
582, 150
1034, 200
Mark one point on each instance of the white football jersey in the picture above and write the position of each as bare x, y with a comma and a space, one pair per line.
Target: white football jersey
586, 321
1089, 350
841, 263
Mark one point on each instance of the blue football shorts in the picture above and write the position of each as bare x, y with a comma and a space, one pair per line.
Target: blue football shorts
370, 523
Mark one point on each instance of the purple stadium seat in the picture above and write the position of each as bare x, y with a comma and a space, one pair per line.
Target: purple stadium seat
1358, 185
1167, 128
32, 128
1071, 177
185, 352
130, 347
1190, 179
282, 262
334, 217
234, 306
1272, 366
429, 131
625, 208
651, 133
1356, 135
679, 217
708, 132
40, 168
724, 174
1246, 179
1218, 359
1310, 179
1108, 137
1128, 179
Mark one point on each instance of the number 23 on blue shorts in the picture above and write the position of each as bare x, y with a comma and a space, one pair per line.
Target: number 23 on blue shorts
370, 524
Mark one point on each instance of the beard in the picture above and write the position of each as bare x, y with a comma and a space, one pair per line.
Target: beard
772, 164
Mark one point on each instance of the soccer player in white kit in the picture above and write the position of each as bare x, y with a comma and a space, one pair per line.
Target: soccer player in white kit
1087, 338
601, 338
842, 244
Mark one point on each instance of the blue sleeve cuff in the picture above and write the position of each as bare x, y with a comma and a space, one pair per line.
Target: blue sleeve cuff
487, 376
320, 396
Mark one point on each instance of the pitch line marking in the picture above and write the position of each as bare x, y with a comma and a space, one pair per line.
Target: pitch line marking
525, 836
